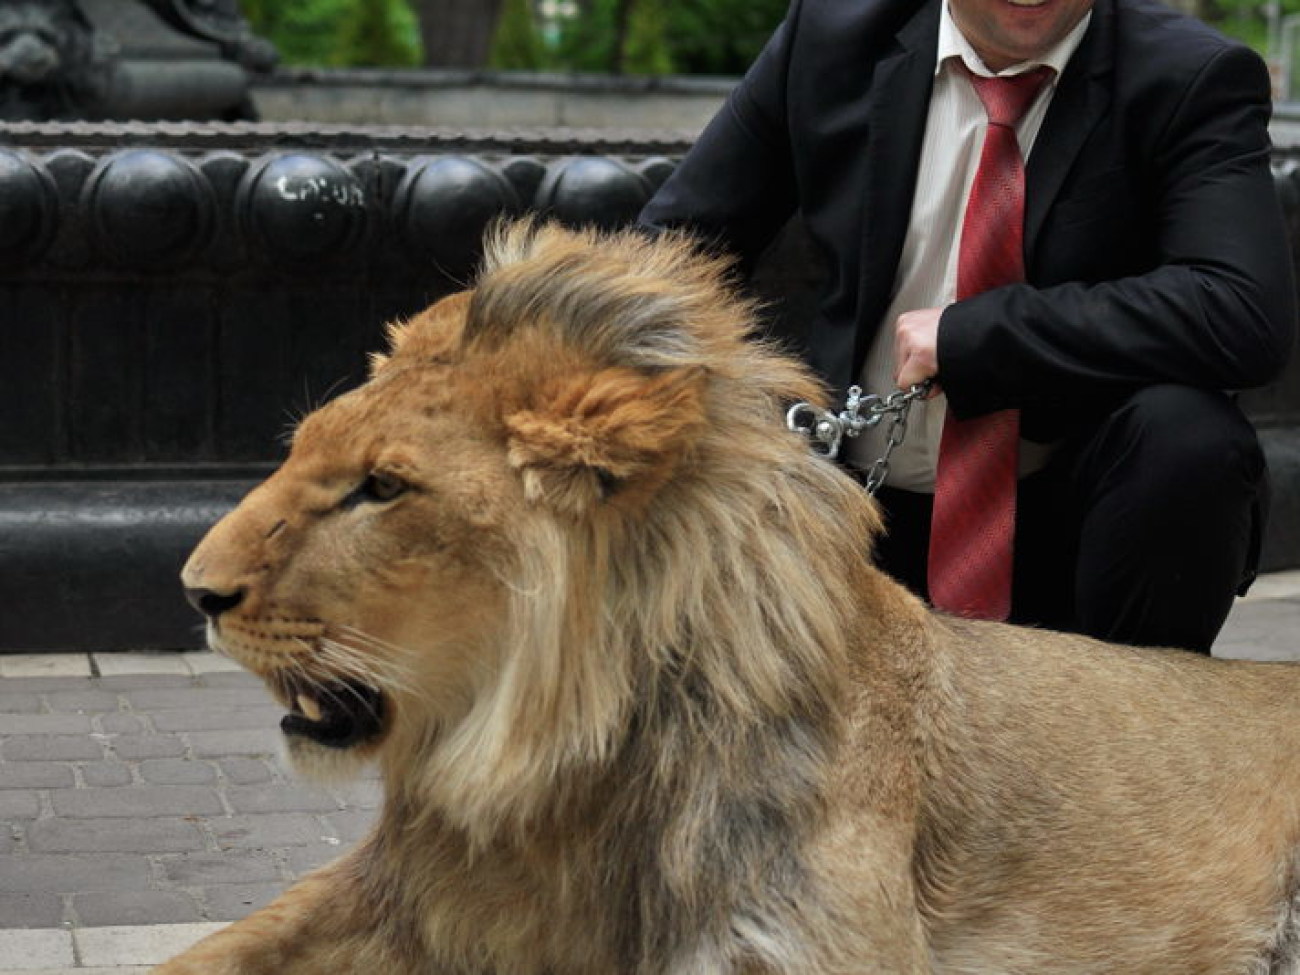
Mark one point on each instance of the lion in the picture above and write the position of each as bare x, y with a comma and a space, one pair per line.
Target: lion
642, 704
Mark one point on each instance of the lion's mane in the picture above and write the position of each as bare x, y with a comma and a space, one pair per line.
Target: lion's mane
675, 649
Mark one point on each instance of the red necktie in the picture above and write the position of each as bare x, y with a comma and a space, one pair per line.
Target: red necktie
973, 525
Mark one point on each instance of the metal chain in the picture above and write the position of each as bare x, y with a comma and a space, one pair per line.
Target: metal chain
826, 430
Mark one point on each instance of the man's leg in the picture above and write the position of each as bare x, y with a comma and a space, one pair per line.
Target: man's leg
1169, 491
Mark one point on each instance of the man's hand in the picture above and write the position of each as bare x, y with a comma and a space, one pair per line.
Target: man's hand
916, 347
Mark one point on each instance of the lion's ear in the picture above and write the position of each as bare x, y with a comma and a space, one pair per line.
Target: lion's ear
605, 434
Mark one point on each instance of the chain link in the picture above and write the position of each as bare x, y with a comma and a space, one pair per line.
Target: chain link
826, 430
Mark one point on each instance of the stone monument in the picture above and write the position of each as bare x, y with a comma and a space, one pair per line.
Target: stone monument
127, 59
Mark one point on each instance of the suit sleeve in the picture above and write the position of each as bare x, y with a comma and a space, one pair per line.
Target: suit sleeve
736, 188
1217, 310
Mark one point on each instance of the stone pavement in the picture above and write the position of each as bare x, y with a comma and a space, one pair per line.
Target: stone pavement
143, 803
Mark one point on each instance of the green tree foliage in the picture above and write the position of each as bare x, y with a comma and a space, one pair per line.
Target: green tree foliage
518, 43
720, 37
617, 37
379, 33
337, 32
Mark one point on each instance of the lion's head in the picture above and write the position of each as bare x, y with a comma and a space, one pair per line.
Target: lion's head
563, 502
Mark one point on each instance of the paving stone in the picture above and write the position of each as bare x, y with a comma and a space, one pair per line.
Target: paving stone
246, 771
140, 682
44, 665
156, 835
218, 719
82, 701
228, 867
352, 825
79, 970
70, 874
206, 662
191, 698
44, 724
19, 804
304, 859
138, 945
280, 797
137, 664
140, 800
36, 775
219, 744
267, 831
42, 685
135, 907
30, 911
232, 902
41, 948
177, 771
50, 748
118, 723
361, 795
147, 746
239, 678
19, 703
105, 774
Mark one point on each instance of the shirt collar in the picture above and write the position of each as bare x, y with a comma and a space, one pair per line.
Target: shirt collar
953, 44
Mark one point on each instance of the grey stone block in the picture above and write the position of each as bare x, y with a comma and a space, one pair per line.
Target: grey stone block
118, 723
228, 867
350, 826
44, 724
81, 702
50, 748
19, 703
105, 774
30, 911
36, 775
246, 771
280, 797
218, 719
194, 698
219, 744
177, 771
70, 874
135, 907
252, 832
142, 682
230, 903
304, 859
114, 836
19, 804
237, 679
148, 746
140, 800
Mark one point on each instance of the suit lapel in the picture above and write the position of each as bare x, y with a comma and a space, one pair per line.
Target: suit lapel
898, 100
1082, 98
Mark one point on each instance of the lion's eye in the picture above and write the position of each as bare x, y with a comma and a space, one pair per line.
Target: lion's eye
378, 487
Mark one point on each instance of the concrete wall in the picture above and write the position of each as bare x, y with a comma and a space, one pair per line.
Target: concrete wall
488, 100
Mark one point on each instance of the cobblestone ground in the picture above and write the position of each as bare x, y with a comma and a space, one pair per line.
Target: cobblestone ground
147, 790
143, 803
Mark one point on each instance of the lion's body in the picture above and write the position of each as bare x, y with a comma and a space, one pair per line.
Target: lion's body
643, 707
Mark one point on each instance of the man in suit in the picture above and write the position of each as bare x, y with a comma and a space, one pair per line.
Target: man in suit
1154, 278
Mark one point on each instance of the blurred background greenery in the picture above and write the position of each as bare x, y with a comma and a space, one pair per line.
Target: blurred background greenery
642, 37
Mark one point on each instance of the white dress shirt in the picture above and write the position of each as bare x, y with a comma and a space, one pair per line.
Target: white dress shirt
927, 270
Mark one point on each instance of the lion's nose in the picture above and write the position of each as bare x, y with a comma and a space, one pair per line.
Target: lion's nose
211, 603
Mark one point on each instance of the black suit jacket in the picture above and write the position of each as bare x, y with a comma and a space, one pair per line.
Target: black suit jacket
1154, 245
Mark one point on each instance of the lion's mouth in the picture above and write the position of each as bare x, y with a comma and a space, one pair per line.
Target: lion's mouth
336, 714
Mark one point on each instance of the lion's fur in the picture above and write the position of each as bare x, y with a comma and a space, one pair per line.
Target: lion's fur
651, 710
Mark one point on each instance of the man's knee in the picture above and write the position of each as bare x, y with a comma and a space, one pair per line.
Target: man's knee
1178, 440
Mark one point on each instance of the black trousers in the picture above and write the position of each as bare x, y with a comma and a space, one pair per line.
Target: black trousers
1140, 531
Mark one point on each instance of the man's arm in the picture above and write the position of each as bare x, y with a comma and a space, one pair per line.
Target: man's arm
736, 186
1218, 311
